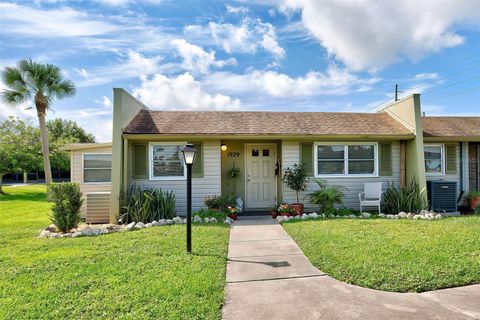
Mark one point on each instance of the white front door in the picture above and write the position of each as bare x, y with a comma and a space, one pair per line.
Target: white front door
260, 179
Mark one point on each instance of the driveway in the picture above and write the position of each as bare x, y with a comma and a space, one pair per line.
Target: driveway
269, 277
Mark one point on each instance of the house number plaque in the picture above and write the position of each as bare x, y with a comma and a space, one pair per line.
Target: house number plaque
233, 154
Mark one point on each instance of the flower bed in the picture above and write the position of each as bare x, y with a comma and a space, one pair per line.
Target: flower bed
88, 230
423, 215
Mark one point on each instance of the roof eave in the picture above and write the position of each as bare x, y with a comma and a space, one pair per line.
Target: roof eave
234, 136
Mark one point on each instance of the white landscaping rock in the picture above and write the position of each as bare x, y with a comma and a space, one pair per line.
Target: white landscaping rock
410, 215
206, 220
227, 222
148, 225
438, 216
352, 216
87, 232
213, 220
381, 215
154, 223
313, 215
140, 225
76, 234
366, 215
177, 220
161, 222
402, 215
304, 216
168, 221
197, 219
130, 226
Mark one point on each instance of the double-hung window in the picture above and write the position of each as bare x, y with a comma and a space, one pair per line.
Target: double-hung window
166, 161
97, 167
345, 159
434, 159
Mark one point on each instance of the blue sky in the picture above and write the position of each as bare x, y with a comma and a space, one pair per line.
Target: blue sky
291, 55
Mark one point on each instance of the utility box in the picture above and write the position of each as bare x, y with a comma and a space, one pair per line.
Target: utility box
442, 195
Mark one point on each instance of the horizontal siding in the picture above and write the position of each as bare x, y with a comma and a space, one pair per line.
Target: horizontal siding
77, 174
451, 177
291, 155
210, 184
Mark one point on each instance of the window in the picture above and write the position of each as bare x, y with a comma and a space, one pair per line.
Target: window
97, 167
166, 161
434, 159
351, 159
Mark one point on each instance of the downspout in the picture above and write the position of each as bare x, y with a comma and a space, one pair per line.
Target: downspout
461, 174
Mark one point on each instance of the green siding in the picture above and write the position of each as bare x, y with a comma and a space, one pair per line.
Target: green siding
197, 168
385, 161
451, 158
306, 156
140, 161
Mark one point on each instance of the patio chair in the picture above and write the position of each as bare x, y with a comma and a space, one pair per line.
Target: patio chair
371, 196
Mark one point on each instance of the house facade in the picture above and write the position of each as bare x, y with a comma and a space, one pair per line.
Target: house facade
393, 146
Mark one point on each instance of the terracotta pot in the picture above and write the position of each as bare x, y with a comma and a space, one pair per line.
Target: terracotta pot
274, 214
233, 216
214, 209
475, 202
298, 207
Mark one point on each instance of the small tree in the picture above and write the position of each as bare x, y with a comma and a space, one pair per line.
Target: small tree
296, 179
19, 147
67, 201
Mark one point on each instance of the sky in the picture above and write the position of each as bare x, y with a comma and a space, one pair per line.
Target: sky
288, 55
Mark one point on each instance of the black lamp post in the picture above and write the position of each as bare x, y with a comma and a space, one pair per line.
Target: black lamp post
189, 154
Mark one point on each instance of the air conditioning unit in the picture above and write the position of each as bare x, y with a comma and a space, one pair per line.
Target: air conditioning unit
442, 195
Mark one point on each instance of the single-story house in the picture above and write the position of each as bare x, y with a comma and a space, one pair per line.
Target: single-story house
395, 145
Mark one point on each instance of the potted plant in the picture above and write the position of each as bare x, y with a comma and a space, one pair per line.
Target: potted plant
214, 203
274, 212
473, 199
232, 212
285, 210
326, 197
296, 179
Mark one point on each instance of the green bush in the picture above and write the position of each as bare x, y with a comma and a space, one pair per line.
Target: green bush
407, 199
339, 212
205, 213
146, 205
67, 201
326, 197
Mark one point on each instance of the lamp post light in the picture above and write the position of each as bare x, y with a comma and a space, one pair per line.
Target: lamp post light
189, 154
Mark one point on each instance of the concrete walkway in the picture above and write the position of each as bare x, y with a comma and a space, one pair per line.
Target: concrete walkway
268, 277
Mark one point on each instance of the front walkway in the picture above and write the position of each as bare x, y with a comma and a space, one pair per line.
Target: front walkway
268, 277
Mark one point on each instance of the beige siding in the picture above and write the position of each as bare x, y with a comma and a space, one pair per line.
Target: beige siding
291, 155
210, 184
77, 173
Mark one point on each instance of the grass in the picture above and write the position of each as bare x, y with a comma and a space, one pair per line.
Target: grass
394, 255
142, 274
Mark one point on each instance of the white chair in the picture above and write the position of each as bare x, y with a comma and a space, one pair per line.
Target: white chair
371, 196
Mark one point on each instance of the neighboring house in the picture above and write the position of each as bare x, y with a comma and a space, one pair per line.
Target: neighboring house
346, 149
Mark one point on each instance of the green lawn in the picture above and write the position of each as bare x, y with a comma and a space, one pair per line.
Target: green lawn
394, 255
140, 274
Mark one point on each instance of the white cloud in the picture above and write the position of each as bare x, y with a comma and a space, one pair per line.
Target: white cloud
246, 37
196, 59
181, 93
123, 3
373, 34
236, 10
64, 22
131, 65
82, 72
334, 81
426, 76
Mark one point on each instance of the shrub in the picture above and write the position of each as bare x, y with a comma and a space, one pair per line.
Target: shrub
326, 197
213, 201
67, 201
205, 213
146, 205
296, 179
407, 199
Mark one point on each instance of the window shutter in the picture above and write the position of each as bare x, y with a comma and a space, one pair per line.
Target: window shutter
197, 168
140, 162
306, 156
451, 158
385, 161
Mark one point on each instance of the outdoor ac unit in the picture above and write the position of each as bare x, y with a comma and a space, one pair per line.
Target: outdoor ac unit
442, 195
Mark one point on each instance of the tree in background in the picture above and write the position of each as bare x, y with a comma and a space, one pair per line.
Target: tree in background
63, 132
42, 83
20, 148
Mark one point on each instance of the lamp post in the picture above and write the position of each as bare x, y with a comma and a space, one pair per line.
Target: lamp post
189, 154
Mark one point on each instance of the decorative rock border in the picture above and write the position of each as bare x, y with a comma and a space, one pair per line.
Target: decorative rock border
423, 215
96, 230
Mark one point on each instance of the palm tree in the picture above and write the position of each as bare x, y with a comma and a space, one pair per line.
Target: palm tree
42, 83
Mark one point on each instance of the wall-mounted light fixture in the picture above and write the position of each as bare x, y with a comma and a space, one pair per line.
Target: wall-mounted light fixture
223, 147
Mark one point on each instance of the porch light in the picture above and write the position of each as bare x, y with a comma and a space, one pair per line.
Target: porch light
223, 147
189, 154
